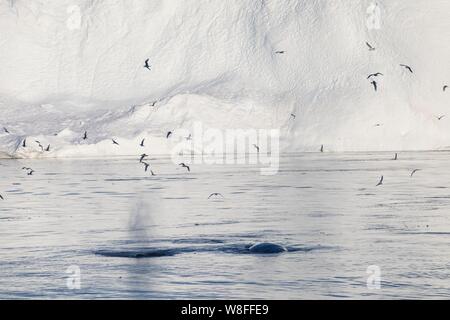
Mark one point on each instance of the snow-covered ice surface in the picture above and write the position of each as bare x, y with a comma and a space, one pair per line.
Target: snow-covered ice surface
70, 66
100, 214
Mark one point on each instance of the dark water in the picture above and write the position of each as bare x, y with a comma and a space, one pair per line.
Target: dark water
136, 236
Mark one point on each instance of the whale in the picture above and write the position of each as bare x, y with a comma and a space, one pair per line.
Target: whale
267, 248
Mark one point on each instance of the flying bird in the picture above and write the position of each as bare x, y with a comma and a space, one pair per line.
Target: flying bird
279, 52
48, 148
24, 143
29, 171
146, 166
114, 141
414, 171
168, 134
375, 75
374, 83
378, 125
40, 145
6, 130
215, 194
1, 197
85, 135
147, 66
381, 181
395, 157
293, 116
445, 88
256, 147
189, 137
407, 67
440, 117
370, 47
185, 166
142, 143
142, 157
321, 148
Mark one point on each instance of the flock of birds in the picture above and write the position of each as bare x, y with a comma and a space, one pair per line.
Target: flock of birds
375, 86
143, 156
373, 76
380, 183
374, 83
378, 74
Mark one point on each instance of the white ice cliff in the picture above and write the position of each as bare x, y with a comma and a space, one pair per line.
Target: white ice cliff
71, 66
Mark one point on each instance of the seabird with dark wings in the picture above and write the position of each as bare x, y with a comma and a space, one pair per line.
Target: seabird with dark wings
370, 46
185, 166
380, 182
407, 67
147, 66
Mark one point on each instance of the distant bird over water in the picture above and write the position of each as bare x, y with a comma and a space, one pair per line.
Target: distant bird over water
48, 148
146, 165
215, 194
414, 171
1, 197
370, 47
142, 157
24, 143
114, 142
374, 83
440, 117
381, 181
321, 148
147, 66
142, 142
168, 134
280, 52
85, 135
29, 170
185, 166
293, 116
407, 67
256, 147
395, 157
6, 130
444, 88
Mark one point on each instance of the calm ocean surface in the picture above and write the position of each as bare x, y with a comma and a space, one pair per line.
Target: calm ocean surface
132, 235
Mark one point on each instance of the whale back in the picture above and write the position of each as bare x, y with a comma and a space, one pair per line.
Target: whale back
267, 247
